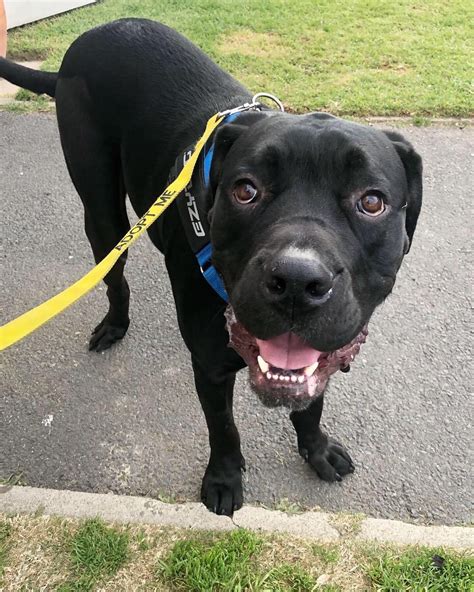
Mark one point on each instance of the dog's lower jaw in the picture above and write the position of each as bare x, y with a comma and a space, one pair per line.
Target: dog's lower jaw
295, 389
271, 399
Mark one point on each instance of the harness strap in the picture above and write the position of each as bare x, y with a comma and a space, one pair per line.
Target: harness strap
210, 273
192, 210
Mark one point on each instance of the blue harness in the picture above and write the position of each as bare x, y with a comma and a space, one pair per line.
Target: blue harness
193, 217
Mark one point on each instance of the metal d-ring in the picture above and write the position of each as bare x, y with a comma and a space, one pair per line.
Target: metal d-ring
268, 96
253, 105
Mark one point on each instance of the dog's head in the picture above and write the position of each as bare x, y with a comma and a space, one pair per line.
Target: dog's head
312, 216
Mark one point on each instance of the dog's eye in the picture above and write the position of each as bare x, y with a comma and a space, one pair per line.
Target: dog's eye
371, 204
244, 192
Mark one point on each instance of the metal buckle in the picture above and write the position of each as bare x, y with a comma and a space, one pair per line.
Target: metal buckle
253, 105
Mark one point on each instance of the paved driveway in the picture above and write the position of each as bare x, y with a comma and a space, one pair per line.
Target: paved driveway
128, 420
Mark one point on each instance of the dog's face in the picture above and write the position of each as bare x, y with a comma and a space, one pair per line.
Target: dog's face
311, 219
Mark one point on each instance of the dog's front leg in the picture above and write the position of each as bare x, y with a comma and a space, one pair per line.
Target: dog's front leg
326, 456
202, 324
222, 484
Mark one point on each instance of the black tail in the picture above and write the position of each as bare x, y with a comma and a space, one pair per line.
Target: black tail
37, 82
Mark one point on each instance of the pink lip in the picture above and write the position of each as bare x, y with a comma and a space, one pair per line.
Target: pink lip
288, 351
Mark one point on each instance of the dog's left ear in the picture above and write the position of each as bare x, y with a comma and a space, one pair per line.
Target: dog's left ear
225, 138
226, 135
413, 166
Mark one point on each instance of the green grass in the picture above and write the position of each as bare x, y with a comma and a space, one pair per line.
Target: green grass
224, 565
420, 570
12, 480
97, 552
326, 553
353, 58
286, 578
229, 564
36, 105
142, 541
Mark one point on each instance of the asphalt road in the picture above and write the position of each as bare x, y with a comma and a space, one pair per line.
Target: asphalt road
128, 420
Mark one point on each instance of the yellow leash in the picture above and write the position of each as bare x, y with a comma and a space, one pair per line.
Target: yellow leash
34, 318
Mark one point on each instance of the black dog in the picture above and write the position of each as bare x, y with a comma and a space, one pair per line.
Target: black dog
309, 219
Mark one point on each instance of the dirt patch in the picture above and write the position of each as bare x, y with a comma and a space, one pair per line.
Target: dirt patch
395, 67
35, 558
250, 43
342, 571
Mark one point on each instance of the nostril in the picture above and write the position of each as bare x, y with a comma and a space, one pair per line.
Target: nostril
276, 285
316, 289
313, 289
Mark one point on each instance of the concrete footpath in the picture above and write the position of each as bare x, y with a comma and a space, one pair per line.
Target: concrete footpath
319, 526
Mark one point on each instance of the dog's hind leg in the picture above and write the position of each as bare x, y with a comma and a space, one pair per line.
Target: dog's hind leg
93, 161
103, 238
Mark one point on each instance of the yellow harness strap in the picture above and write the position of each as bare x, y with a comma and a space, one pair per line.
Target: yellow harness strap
34, 318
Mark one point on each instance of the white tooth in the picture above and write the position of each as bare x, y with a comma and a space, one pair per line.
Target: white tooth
282, 377
301, 378
264, 367
268, 375
275, 376
294, 378
310, 370
287, 379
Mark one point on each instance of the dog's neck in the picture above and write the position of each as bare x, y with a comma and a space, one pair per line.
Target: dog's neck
193, 207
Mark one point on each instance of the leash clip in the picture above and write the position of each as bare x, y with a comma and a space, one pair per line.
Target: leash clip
254, 105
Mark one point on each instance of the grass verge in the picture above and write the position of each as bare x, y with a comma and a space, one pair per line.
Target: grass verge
359, 58
5, 532
72, 556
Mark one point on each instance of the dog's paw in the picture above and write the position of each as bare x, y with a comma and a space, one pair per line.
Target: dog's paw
329, 459
106, 334
221, 490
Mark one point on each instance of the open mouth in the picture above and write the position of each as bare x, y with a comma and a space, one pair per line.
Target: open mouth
285, 370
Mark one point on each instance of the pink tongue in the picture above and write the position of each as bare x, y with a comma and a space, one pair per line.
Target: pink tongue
288, 351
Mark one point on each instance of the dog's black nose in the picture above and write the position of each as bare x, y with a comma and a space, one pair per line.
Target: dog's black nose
305, 281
